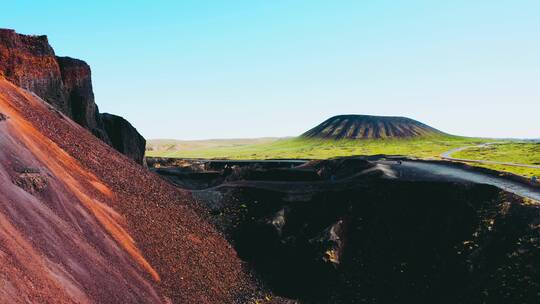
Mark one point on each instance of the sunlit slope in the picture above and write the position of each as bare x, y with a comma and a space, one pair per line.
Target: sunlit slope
82, 223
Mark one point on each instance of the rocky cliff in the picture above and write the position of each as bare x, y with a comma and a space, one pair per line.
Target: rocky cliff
124, 137
66, 83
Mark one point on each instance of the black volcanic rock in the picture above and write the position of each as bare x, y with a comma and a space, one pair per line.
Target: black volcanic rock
66, 83
124, 137
370, 127
361, 233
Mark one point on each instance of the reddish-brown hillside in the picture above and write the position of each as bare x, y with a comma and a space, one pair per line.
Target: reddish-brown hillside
80, 223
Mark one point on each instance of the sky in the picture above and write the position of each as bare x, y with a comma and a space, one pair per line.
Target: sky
260, 68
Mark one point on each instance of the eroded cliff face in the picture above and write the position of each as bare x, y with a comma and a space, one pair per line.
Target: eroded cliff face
124, 137
81, 107
30, 62
66, 83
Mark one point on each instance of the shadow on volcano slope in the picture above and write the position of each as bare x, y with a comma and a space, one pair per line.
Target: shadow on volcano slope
348, 231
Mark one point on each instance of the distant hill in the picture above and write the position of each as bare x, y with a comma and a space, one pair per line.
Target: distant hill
370, 127
192, 145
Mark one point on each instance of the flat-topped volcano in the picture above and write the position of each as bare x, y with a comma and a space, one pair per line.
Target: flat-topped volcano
370, 127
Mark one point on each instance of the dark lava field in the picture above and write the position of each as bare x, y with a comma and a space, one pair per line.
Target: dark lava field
349, 230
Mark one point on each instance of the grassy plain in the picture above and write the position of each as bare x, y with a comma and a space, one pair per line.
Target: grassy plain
429, 147
303, 148
510, 152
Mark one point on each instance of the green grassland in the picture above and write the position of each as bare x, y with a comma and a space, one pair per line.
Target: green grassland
510, 152
428, 147
304, 148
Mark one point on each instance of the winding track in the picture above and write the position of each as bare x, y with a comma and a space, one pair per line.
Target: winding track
414, 170
418, 170
448, 156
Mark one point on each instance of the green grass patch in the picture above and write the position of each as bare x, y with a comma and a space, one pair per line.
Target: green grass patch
511, 152
430, 147
304, 148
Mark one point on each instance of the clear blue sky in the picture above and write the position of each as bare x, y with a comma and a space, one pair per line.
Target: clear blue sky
230, 69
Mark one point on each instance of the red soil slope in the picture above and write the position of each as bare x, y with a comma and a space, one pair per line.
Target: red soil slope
81, 223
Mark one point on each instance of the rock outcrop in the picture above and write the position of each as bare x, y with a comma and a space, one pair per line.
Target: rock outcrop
30, 63
81, 107
66, 83
124, 137
370, 127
